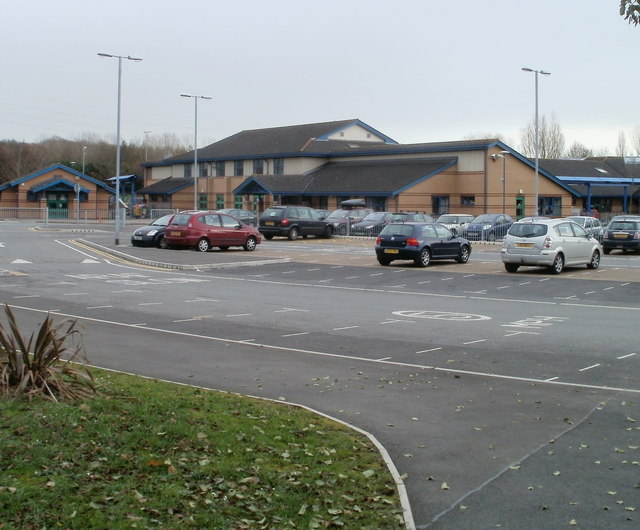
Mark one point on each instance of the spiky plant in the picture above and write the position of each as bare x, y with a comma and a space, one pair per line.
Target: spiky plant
44, 365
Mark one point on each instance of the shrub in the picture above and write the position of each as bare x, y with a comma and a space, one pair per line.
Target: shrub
45, 365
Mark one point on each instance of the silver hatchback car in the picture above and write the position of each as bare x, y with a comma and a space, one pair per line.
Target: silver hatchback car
552, 243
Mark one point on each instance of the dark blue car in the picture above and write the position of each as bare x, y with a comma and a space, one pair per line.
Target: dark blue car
488, 227
420, 243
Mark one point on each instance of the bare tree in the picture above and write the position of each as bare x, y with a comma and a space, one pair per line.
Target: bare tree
630, 10
621, 146
550, 139
578, 150
635, 140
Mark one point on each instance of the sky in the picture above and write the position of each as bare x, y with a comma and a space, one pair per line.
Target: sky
415, 70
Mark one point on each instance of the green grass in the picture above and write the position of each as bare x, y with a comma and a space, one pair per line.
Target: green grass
148, 454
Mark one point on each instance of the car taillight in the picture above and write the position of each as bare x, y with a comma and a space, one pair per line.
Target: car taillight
378, 240
606, 234
547, 242
284, 222
636, 235
412, 242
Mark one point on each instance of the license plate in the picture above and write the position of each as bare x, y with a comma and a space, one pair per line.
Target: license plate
620, 236
269, 223
137, 238
391, 251
524, 245
175, 233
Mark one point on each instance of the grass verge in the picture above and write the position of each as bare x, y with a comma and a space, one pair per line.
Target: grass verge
149, 454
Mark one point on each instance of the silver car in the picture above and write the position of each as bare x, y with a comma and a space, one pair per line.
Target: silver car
552, 243
590, 224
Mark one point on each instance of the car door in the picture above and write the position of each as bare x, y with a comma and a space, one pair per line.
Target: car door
447, 244
230, 232
568, 241
436, 243
583, 243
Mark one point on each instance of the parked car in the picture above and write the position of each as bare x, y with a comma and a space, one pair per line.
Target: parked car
412, 217
372, 224
421, 243
207, 229
456, 222
622, 233
153, 234
488, 227
291, 222
323, 213
341, 220
591, 224
552, 243
246, 216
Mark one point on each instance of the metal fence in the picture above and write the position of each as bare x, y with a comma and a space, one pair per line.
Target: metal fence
83, 217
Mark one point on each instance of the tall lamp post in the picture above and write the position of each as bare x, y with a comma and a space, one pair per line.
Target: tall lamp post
195, 148
117, 208
537, 146
504, 177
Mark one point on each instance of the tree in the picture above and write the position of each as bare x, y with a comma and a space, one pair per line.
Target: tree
630, 10
635, 140
578, 150
621, 147
550, 139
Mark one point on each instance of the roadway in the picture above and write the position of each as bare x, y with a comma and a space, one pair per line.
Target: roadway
493, 393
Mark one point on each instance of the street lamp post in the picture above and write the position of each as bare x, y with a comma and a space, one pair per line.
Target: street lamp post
537, 140
117, 207
504, 178
195, 147
84, 157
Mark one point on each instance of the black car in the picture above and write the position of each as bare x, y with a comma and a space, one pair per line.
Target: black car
622, 233
372, 224
246, 216
291, 222
340, 221
152, 235
421, 243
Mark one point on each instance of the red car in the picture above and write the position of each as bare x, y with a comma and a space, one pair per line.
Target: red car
204, 230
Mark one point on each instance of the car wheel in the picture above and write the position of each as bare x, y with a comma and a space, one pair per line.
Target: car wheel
607, 250
558, 264
423, 258
224, 247
162, 243
328, 233
203, 245
384, 261
464, 254
293, 234
595, 260
250, 244
268, 237
511, 267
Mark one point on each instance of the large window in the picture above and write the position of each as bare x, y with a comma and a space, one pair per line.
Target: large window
220, 168
219, 201
187, 171
238, 168
202, 202
258, 167
550, 206
440, 204
278, 166
237, 201
202, 169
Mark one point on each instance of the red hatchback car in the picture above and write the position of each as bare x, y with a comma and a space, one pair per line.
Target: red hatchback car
204, 230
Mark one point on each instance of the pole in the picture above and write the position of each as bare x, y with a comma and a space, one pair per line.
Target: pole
536, 211
117, 210
195, 157
504, 181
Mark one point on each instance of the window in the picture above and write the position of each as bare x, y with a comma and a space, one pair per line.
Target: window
278, 166
440, 204
228, 221
219, 201
202, 169
258, 167
237, 201
550, 206
219, 168
468, 200
187, 171
238, 168
202, 201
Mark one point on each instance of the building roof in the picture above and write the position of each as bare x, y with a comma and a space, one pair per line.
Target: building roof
362, 177
62, 167
167, 186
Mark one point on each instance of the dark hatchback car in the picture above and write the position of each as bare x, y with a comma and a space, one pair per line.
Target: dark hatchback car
208, 229
340, 221
488, 227
421, 243
371, 225
152, 235
291, 222
623, 233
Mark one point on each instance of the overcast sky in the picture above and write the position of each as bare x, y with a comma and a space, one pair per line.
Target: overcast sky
416, 70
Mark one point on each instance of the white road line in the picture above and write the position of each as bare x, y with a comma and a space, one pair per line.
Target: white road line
626, 356
468, 275
425, 281
350, 358
311, 270
377, 274
186, 320
607, 288
394, 321
520, 332
345, 327
474, 341
288, 309
27, 296
444, 279
384, 359
589, 367
550, 379
74, 294
201, 300
351, 277
589, 292
504, 287
400, 286
295, 334
239, 315
430, 350
524, 283
151, 303
99, 307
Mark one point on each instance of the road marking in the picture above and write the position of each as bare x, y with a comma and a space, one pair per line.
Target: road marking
384, 359
607, 288
20, 261
441, 315
589, 367
27, 296
474, 341
395, 320
295, 334
626, 356
239, 315
201, 300
504, 287
590, 292
351, 277
74, 294
430, 350
288, 309
99, 307
425, 281
345, 327
550, 379
524, 283
151, 303
350, 358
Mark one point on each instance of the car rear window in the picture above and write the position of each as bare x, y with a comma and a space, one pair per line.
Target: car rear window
527, 230
624, 225
398, 230
273, 212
